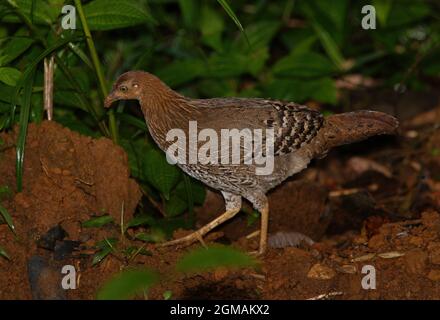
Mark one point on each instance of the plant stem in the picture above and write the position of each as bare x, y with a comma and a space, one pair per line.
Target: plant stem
97, 66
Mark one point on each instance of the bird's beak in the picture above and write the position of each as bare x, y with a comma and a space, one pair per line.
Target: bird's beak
110, 99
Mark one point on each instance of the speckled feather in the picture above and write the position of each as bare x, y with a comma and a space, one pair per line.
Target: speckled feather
300, 133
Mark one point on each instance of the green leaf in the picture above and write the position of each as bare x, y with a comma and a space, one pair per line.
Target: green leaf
162, 175
23, 125
167, 295
140, 220
383, 8
4, 254
154, 236
260, 35
211, 26
106, 246
404, 12
181, 71
327, 41
190, 12
127, 284
322, 89
175, 206
224, 65
233, 16
26, 81
202, 259
97, 222
14, 48
9, 76
115, 14
308, 64
42, 12
7, 217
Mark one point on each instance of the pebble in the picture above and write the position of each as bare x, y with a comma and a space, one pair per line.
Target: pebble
321, 272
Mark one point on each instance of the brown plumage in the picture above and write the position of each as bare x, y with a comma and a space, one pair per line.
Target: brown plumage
300, 134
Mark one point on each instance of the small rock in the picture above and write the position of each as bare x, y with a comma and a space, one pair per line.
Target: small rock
49, 239
415, 261
434, 275
348, 268
56, 170
321, 272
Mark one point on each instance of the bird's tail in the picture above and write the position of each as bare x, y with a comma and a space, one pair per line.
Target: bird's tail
350, 127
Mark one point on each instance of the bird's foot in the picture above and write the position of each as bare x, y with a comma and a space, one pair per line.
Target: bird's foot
185, 241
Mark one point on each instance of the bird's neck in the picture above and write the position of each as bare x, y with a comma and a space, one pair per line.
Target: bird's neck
168, 111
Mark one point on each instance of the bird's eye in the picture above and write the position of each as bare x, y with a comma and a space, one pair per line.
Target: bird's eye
123, 88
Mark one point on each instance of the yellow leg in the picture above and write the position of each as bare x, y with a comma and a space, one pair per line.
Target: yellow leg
198, 235
263, 230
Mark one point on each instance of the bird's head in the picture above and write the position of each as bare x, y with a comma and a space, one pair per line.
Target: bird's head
136, 85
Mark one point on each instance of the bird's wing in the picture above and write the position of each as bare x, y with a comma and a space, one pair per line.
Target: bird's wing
293, 125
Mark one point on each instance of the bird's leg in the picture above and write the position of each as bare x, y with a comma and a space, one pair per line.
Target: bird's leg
260, 203
264, 228
233, 206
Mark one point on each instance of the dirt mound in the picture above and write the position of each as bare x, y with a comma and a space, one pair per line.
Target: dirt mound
67, 178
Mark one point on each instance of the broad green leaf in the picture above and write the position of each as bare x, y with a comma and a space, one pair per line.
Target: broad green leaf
211, 27
9, 76
162, 175
202, 259
404, 12
224, 65
308, 64
256, 60
259, 34
327, 40
127, 284
181, 71
299, 40
115, 14
190, 12
322, 89
7, 217
383, 8
43, 12
175, 206
14, 48
97, 222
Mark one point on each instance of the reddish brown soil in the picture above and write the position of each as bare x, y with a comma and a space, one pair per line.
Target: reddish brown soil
383, 211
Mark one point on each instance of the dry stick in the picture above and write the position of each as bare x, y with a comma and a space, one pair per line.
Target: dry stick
49, 64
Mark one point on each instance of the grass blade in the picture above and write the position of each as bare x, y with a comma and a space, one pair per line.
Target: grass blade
4, 254
234, 17
23, 125
5, 214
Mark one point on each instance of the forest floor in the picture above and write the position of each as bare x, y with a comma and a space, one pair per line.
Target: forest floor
369, 207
